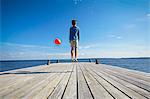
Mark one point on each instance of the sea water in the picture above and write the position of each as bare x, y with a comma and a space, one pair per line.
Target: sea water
139, 64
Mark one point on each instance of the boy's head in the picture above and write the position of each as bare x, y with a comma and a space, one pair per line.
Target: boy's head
74, 22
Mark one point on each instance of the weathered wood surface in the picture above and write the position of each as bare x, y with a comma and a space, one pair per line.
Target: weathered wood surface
74, 81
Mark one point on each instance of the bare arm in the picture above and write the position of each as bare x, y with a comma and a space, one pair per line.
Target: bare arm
70, 35
78, 35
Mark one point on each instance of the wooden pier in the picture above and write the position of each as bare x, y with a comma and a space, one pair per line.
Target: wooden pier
74, 81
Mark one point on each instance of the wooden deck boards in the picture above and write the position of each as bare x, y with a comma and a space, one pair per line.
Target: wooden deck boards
74, 81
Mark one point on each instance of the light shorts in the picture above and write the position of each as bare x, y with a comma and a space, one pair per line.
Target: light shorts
74, 44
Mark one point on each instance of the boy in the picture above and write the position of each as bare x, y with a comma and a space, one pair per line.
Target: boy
73, 39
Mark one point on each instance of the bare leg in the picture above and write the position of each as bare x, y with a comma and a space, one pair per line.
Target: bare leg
76, 53
71, 52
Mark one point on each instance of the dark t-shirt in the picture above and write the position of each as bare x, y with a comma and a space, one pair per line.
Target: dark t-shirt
74, 34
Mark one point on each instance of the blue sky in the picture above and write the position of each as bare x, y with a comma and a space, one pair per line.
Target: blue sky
108, 28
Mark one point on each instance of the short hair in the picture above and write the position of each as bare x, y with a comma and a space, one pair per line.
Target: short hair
74, 22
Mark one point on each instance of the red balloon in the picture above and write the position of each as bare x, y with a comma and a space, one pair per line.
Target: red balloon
57, 41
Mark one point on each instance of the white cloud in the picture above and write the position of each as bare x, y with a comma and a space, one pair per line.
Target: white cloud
77, 1
90, 50
89, 46
119, 37
111, 36
58, 55
118, 54
141, 19
117, 50
11, 51
148, 15
23, 45
115, 36
130, 26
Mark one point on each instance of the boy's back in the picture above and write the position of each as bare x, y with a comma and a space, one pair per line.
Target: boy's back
74, 33
73, 39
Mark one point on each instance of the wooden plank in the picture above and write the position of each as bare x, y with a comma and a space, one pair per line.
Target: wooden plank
14, 81
127, 84
111, 89
28, 86
22, 75
97, 90
47, 86
18, 93
132, 73
125, 90
24, 80
59, 90
17, 86
10, 77
83, 90
52, 87
130, 86
140, 83
71, 89
85, 81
